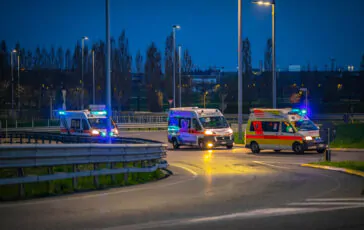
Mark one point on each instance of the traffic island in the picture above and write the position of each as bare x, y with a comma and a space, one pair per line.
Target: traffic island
349, 167
349, 136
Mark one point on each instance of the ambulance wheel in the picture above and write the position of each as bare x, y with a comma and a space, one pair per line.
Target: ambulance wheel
298, 148
201, 145
277, 150
254, 147
229, 146
175, 143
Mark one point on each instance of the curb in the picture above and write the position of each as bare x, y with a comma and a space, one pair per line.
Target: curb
347, 171
347, 149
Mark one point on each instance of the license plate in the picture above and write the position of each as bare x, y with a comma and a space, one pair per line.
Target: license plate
223, 142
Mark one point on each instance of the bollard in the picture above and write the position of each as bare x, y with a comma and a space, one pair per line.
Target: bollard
328, 151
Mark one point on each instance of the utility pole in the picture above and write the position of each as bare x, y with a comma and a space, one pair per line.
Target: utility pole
240, 71
93, 76
108, 69
18, 82
180, 81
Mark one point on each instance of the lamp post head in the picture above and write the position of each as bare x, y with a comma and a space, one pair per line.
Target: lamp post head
85, 37
265, 3
176, 26
14, 51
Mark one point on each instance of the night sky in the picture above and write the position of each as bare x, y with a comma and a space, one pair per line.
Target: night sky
307, 30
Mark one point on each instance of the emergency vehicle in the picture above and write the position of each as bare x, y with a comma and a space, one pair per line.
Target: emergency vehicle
92, 122
282, 129
193, 126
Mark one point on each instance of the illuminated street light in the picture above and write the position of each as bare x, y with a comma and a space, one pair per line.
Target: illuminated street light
174, 27
266, 3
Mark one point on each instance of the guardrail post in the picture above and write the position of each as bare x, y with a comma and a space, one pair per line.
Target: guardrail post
29, 139
16, 124
96, 178
49, 184
32, 122
21, 186
42, 139
113, 177
125, 165
21, 138
74, 179
11, 138
48, 123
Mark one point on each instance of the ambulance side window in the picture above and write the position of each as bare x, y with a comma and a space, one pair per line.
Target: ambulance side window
270, 126
185, 123
173, 121
196, 125
286, 127
84, 125
75, 124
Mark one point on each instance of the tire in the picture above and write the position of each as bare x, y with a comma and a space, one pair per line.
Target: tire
321, 150
229, 146
202, 145
254, 147
175, 143
298, 148
277, 150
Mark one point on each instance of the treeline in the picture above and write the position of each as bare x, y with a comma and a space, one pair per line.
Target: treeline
43, 73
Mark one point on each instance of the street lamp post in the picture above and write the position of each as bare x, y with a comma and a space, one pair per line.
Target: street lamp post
306, 101
18, 82
174, 27
93, 76
274, 79
179, 71
108, 70
82, 84
12, 79
240, 71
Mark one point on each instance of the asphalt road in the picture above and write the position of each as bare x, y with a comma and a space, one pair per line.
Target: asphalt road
212, 189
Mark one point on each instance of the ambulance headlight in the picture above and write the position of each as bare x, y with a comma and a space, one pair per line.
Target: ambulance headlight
230, 131
115, 131
208, 132
308, 138
95, 132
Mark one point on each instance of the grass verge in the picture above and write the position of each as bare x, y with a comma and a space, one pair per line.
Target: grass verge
58, 187
236, 138
349, 136
354, 165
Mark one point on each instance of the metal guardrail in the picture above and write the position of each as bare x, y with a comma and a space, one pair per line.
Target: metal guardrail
49, 155
26, 137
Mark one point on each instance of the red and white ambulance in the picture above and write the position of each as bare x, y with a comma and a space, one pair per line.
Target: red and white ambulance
92, 122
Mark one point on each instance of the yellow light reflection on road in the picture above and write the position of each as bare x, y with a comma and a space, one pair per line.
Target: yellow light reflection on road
207, 156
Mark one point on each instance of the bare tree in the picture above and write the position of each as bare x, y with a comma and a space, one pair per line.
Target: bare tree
138, 62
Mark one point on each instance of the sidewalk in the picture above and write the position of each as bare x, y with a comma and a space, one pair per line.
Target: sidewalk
344, 170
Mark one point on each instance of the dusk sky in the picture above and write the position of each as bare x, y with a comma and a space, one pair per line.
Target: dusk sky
307, 30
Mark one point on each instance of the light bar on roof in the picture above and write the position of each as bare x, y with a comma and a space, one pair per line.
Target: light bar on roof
99, 112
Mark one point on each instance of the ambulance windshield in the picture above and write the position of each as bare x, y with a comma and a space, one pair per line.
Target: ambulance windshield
305, 125
99, 123
214, 122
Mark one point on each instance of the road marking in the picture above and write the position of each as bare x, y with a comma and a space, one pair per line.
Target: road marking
335, 199
185, 168
268, 212
79, 197
327, 203
275, 166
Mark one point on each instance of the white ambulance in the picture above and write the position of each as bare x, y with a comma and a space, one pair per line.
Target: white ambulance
92, 122
193, 126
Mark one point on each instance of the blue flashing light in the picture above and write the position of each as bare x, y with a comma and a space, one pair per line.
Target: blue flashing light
98, 112
103, 134
62, 113
304, 111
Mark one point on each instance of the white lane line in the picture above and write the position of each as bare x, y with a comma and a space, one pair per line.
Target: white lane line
119, 191
185, 168
326, 203
275, 166
268, 212
335, 199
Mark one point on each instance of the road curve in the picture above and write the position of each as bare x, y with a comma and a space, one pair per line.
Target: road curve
212, 189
